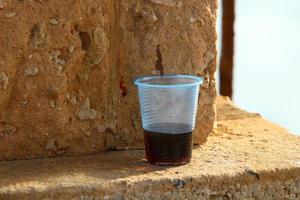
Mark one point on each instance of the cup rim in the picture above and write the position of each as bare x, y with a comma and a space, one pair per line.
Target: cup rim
198, 81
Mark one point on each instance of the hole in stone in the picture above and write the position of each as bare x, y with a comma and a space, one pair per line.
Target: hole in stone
93, 11
76, 27
51, 92
85, 40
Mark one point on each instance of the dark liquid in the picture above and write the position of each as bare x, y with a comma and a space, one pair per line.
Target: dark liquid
168, 149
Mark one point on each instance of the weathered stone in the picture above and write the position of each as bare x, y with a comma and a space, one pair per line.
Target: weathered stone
154, 34
87, 133
73, 100
51, 92
53, 21
98, 48
30, 57
54, 55
52, 103
60, 68
298, 185
172, 3
31, 71
145, 16
10, 14
24, 102
3, 80
85, 112
95, 50
1, 4
7, 129
52, 145
291, 197
101, 129
60, 61
71, 49
125, 175
39, 34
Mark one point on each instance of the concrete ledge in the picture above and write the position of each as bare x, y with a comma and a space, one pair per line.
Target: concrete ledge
246, 157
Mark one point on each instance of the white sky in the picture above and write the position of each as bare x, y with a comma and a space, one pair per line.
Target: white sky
267, 60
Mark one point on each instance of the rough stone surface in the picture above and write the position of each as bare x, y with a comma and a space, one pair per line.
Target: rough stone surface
31, 71
3, 81
246, 157
157, 35
54, 55
85, 112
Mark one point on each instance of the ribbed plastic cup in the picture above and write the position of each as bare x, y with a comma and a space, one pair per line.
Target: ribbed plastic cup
168, 107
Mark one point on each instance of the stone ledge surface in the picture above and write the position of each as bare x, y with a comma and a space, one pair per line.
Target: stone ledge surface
246, 157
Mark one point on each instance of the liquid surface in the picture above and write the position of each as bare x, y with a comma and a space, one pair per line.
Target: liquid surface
169, 128
168, 149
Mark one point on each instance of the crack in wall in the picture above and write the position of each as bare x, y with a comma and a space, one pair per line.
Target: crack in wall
158, 64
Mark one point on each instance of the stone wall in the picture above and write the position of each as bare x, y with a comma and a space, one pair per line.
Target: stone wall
66, 70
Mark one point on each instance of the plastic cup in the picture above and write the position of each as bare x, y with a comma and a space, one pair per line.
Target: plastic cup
168, 107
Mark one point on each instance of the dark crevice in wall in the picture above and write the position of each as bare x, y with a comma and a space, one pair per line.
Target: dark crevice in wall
85, 40
158, 63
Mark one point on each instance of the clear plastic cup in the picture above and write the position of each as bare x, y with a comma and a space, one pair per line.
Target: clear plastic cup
168, 107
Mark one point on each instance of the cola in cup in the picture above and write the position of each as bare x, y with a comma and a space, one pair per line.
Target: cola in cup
168, 106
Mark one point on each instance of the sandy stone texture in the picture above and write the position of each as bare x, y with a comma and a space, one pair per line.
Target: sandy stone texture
246, 157
67, 67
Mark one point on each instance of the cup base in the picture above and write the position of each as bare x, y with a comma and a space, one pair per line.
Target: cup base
168, 149
169, 163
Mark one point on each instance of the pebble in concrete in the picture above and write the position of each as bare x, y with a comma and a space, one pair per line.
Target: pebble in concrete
39, 35
71, 49
10, 14
53, 21
85, 112
7, 129
3, 80
31, 71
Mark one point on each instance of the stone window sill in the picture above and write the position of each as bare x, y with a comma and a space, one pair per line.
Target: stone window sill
246, 157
